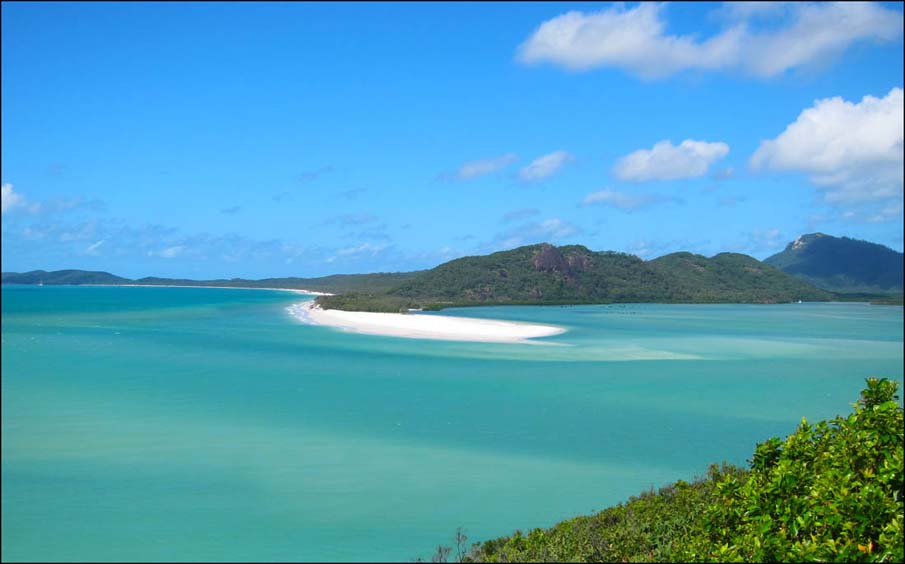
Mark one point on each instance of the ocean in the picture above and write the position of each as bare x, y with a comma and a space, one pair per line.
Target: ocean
208, 424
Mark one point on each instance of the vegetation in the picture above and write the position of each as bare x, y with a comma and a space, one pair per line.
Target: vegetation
62, 277
544, 274
829, 492
841, 264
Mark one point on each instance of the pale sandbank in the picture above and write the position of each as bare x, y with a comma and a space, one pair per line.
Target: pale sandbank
419, 326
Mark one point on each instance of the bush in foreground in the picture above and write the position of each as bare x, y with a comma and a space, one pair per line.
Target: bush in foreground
830, 492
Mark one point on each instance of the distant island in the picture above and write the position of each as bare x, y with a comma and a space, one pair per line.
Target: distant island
815, 267
841, 264
548, 275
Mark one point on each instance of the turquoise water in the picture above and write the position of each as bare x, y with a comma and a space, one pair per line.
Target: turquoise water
206, 424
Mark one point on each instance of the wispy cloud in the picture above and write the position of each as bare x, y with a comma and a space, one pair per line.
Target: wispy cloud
636, 39
482, 167
553, 229
232, 210
168, 252
665, 161
621, 200
94, 249
545, 166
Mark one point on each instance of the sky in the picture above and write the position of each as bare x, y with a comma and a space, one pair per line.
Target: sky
252, 140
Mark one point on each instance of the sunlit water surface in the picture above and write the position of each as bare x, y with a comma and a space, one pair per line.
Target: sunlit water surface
207, 424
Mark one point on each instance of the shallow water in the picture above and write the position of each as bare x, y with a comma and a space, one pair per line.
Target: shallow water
207, 424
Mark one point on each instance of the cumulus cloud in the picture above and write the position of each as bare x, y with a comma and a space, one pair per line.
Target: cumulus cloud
635, 39
545, 166
619, 200
853, 152
666, 161
482, 167
9, 198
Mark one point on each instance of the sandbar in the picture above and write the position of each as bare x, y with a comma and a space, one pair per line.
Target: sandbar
420, 326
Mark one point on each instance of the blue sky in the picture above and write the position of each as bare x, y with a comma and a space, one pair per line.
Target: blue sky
253, 140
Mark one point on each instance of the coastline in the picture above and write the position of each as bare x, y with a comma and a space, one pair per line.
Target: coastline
293, 290
417, 326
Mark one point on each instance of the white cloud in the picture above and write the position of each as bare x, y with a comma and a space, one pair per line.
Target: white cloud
619, 200
93, 249
889, 212
853, 152
820, 32
666, 161
363, 248
545, 166
474, 169
552, 229
635, 39
168, 252
9, 199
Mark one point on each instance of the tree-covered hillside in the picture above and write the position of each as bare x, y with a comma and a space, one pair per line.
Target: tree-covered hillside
57, 277
841, 264
573, 274
830, 492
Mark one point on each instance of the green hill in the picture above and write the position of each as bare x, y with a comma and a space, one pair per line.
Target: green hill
62, 277
573, 274
841, 264
830, 492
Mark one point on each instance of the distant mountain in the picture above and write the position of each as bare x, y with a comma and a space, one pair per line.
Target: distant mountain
62, 277
573, 274
840, 264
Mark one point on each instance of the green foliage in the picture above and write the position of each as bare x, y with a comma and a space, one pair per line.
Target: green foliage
828, 492
62, 277
362, 301
544, 274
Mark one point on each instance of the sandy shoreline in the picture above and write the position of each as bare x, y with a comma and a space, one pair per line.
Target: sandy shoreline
415, 326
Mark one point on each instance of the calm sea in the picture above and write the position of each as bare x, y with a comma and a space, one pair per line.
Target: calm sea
206, 424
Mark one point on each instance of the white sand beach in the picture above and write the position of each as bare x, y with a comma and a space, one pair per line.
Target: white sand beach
418, 326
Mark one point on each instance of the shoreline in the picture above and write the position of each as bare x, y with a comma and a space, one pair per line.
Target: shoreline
416, 326
293, 290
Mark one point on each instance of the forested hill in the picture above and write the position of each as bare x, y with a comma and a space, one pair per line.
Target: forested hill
534, 274
841, 264
545, 274
57, 277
